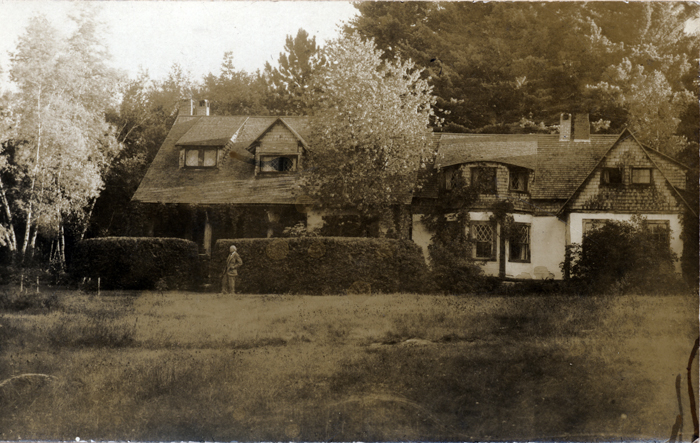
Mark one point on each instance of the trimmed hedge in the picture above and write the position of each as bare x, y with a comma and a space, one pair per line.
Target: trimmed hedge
137, 262
323, 265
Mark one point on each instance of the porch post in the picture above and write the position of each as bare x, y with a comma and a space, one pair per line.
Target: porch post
207, 233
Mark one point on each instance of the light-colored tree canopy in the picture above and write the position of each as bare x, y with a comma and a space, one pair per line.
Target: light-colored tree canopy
369, 129
60, 145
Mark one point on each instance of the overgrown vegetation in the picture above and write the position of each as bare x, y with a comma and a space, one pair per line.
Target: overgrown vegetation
623, 257
324, 265
382, 367
137, 263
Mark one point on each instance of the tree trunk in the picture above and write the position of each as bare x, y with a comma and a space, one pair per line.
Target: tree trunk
33, 242
12, 239
63, 249
87, 220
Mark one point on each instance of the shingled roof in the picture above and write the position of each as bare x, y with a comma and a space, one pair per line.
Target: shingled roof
234, 180
559, 166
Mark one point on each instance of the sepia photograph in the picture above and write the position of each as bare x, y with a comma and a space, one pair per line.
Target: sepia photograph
309, 221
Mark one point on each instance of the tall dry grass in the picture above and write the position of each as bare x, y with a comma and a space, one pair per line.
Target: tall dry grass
194, 366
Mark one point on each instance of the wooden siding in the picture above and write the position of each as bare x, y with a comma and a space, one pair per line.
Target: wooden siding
626, 197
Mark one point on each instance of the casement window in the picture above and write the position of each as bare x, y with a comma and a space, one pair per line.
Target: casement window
483, 236
518, 180
611, 176
450, 178
659, 231
484, 180
591, 224
519, 242
200, 157
641, 176
276, 163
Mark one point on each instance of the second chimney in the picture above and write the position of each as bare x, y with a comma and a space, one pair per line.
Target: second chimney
186, 107
582, 128
203, 107
564, 127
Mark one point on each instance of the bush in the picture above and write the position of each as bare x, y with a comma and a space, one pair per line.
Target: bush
324, 265
14, 300
623, 257
136, 262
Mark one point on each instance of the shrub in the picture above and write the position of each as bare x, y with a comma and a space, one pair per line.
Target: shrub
14, 300
136, 262
622, 257
324, 265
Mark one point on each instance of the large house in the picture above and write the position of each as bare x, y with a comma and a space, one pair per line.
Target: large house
232, 177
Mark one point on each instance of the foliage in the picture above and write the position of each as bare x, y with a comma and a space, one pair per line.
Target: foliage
452, 267
288, 84
622, 257
324, 265
493, 64
60, 145
14, 300
234, 92
369, 129
136, 263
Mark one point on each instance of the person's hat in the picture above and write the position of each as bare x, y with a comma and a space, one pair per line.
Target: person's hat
232, 249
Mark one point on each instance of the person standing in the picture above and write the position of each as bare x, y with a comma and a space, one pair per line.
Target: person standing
228, 279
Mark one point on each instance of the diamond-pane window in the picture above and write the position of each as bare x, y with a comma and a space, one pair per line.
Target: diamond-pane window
484, 180
270, 163
518, 180
484, 238
520, 242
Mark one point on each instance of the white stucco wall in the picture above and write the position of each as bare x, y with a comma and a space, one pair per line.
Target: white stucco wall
674, 222
547, 246
421, 236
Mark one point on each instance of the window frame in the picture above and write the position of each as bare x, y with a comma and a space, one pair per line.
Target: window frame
657, 234
591, 224
472, 237
527, 245
618, 172
267, 157
477, 183
651, 176
201, 157
518, 172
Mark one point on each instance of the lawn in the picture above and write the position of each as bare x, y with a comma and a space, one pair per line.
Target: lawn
195, 366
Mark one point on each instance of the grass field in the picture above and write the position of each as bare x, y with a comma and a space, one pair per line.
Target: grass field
192, 366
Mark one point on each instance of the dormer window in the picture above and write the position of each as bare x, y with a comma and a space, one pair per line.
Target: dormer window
484, 180
278, 163
518, 180
200, 157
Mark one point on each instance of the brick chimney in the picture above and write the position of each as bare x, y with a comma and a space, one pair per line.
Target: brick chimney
582, 128
186, 108
203, 107
564, 127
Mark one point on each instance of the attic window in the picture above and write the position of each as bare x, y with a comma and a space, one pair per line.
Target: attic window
611, 176
484, 180
273, 163
200, 158
641, 176
518, 180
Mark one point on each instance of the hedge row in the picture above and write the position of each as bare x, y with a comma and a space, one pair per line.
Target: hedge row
137, 262
324, 265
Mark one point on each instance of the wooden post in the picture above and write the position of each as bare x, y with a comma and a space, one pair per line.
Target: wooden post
98, 285
207, 233
21, 283
37, 284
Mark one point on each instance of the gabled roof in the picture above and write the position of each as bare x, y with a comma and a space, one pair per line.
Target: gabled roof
298, 122
563, 165
234, 180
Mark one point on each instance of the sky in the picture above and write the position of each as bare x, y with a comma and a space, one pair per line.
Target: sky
153, 35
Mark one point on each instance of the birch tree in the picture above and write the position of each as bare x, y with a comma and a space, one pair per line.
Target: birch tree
62, 144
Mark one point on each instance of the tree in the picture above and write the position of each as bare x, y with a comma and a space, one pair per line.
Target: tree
493, 64
288, 83
369, 129
61, 144
235, 92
